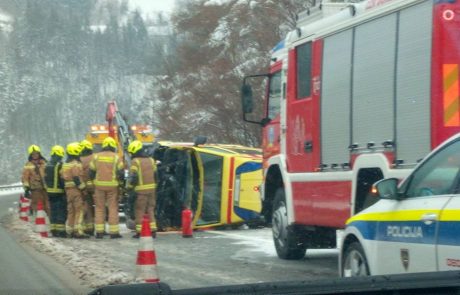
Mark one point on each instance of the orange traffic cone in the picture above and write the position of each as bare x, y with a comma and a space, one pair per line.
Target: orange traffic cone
24, 209
40, 221
146, 268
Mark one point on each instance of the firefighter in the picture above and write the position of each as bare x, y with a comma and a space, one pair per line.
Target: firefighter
72, 173
32, 179
86, 156
143, 181
56, 195
107, 173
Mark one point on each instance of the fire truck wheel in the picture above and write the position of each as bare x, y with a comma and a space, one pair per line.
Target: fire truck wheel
354, 261
286, 239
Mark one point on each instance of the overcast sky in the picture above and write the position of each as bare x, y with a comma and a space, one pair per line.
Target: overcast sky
149, 6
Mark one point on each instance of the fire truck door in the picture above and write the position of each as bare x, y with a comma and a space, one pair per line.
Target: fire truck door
302, 137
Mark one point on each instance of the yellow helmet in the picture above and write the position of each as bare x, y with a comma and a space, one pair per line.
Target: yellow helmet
109, 142
57, 150
33, 148
134, 147
73, 149
86, 144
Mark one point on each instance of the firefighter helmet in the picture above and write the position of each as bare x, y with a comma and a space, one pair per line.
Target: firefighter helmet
134, 147
57, 150
109, 142
86, 144
73, 149
33, 148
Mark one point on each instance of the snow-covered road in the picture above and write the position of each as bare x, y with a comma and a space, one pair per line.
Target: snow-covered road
210, 258
24, 270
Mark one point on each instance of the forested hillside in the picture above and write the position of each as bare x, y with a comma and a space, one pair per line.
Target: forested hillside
62, 60
220, 41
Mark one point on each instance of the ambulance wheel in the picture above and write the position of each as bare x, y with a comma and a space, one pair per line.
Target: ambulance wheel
286, 239
354, 262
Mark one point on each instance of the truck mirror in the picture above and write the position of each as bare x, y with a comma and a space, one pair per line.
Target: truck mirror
264, 122
386, 188
246, 98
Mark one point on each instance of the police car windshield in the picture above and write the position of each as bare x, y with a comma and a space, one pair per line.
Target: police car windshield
438, 175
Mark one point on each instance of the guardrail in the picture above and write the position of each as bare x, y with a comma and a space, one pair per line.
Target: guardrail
10, 187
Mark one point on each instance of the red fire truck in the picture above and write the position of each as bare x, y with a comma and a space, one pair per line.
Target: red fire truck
356, 93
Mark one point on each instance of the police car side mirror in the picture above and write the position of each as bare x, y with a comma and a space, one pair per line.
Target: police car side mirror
386, 188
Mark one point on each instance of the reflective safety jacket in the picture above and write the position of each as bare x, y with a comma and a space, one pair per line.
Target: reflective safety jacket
72, 173
142, 174
33, 173
53, 181
85, 162
108, 169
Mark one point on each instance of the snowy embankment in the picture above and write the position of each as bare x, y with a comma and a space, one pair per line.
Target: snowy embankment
6, 190
92, 267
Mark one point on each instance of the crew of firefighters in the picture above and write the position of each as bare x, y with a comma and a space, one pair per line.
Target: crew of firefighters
77, 192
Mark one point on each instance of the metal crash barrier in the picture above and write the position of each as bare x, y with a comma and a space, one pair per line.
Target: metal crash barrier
447, 282
10, 187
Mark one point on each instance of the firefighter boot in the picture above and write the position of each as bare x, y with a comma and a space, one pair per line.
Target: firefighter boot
99, 235
154, 234
136, 236
115, 236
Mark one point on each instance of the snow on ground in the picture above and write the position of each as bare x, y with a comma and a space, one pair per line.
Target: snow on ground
261, 241
87, 263
8, 192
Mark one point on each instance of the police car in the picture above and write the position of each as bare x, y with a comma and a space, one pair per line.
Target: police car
415, 226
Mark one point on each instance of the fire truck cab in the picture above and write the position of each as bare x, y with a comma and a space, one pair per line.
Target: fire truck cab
356, 93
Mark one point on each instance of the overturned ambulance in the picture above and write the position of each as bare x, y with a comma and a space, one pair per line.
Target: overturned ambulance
219, 183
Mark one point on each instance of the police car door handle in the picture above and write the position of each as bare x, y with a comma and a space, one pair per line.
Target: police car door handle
429, 218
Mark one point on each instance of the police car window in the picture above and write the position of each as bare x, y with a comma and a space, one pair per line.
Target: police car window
438, 175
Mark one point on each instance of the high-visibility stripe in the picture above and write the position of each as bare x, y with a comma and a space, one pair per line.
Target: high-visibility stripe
106, 159
230, 191
69, 183
141, 186
99, 228
114, 229
55, 188
105, 183
60, 227
145, 187
114, 169
450, 215
111, 160
139, 172
451, 95
403, 215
